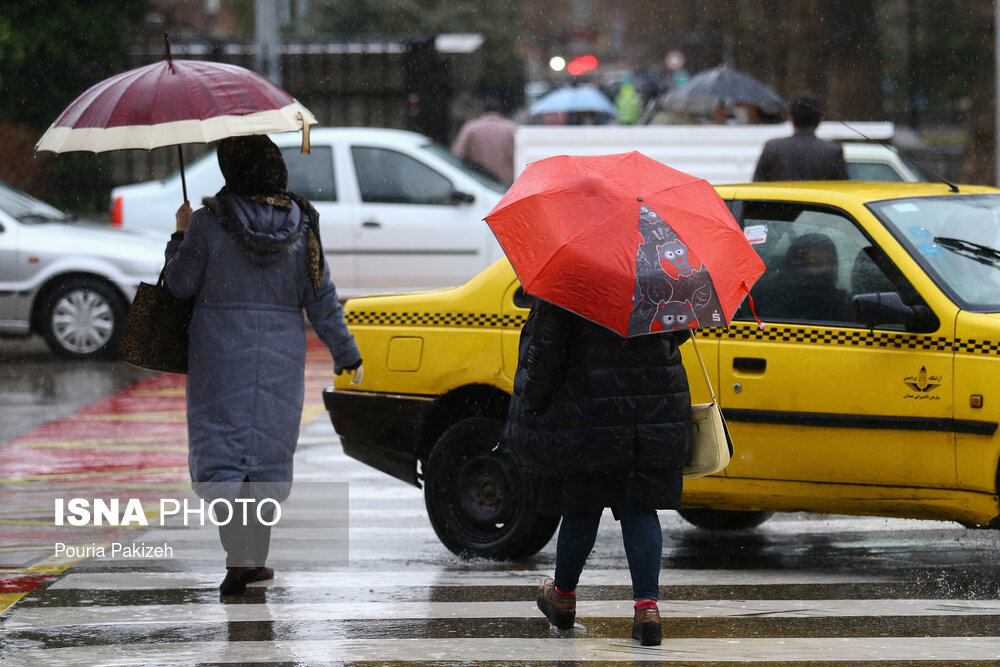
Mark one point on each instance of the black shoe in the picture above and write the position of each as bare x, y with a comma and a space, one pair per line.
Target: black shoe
236, 580
262, 574
558, 608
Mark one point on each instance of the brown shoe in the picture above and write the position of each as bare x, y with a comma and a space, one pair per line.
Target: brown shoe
558, 608
646, 625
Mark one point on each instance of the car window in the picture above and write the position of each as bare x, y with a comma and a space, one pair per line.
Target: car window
872, 171
481, 175
25, 208
956, 238
817, 260
390, 177
311, 176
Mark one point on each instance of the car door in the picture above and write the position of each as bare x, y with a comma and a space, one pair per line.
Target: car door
815, 397
413, 232
314, 176
13, 275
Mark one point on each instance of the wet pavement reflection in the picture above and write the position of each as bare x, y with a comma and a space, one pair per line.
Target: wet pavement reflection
37, 387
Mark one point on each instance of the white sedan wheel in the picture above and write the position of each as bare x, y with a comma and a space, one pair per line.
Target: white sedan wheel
82, 321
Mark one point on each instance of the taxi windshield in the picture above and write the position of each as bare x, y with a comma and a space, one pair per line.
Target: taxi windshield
957, 241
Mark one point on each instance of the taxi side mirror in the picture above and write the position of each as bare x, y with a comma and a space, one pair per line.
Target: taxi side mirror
882, 308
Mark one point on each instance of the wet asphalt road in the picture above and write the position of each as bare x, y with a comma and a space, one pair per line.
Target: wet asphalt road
799, 589
37, 387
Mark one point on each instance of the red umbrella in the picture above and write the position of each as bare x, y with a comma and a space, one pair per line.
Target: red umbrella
627, 242
174, 102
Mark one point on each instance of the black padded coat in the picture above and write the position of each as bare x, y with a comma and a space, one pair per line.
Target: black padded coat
597, 420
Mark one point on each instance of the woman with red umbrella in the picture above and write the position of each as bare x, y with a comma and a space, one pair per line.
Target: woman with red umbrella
600, 421
625, 255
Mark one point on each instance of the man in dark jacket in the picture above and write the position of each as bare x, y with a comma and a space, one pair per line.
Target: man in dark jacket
802, 156
598, 420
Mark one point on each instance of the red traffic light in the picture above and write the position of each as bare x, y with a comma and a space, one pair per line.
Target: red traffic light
582, 64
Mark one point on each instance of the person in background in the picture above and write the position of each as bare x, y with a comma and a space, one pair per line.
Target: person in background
802, 156
252, 260
489, 142
597, 420
629, 102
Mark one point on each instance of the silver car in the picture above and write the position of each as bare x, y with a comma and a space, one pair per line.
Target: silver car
71, 282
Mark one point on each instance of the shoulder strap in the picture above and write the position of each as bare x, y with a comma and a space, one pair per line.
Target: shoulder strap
703, 369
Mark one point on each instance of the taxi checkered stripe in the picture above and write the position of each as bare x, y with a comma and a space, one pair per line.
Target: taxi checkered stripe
855, 338
736, 331
485, 320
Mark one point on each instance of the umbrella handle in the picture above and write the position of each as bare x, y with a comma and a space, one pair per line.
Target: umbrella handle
184, 187
305, 133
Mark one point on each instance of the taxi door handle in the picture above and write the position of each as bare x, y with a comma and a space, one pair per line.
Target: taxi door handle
751, 364
371, 223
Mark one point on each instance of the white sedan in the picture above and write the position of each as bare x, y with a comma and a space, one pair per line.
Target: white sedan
397, 211
69, 281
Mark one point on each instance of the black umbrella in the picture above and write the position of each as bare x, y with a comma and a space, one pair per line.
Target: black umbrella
706, 90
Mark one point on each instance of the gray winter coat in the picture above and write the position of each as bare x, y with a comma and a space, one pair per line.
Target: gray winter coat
247, 350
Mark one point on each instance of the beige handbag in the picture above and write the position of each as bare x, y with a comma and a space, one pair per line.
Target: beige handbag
711, 446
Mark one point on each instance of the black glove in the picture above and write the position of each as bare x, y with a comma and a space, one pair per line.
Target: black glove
337, 370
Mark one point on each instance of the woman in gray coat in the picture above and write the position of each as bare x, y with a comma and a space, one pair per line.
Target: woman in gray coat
252, 260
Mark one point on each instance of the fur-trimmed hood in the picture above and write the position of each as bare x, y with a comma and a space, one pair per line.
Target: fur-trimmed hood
260, 228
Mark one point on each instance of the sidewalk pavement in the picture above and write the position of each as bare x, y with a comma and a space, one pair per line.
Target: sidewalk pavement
130, 444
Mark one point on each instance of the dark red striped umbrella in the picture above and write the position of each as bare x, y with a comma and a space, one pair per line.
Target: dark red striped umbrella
174, 102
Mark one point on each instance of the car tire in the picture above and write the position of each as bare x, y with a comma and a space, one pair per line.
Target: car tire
479, 502
82, 318
724, 519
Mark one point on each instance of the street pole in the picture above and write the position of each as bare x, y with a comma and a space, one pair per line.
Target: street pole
267, 40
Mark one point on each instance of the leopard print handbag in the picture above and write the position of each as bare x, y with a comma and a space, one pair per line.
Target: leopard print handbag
155, 336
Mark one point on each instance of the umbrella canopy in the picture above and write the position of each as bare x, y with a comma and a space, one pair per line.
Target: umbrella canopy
579, 98
627, 242
705, 90
173, 102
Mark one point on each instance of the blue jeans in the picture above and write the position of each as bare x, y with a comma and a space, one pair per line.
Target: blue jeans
641, 536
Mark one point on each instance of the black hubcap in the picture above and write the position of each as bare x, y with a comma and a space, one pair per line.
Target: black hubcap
485, 489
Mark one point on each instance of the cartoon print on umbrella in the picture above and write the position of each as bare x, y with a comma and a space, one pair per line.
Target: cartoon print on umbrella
673, 289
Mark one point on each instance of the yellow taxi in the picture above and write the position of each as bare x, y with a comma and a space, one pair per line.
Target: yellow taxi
874, 387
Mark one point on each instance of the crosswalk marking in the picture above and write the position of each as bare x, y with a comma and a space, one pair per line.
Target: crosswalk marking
473, 577
47, 617
840, 650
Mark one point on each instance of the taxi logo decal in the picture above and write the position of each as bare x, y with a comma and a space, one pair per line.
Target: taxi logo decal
922, 383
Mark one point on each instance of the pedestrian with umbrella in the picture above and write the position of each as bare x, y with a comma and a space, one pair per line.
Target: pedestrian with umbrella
722, 90
251, 259
624, 256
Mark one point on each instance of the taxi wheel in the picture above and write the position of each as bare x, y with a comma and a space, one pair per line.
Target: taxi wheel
724, 519
478, 501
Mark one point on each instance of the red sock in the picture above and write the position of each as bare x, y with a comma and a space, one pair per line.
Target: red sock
559, 592
645, 604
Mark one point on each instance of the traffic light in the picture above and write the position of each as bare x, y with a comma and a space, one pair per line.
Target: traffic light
582, 64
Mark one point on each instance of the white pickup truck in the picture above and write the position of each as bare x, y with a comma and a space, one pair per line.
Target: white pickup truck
720, 154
